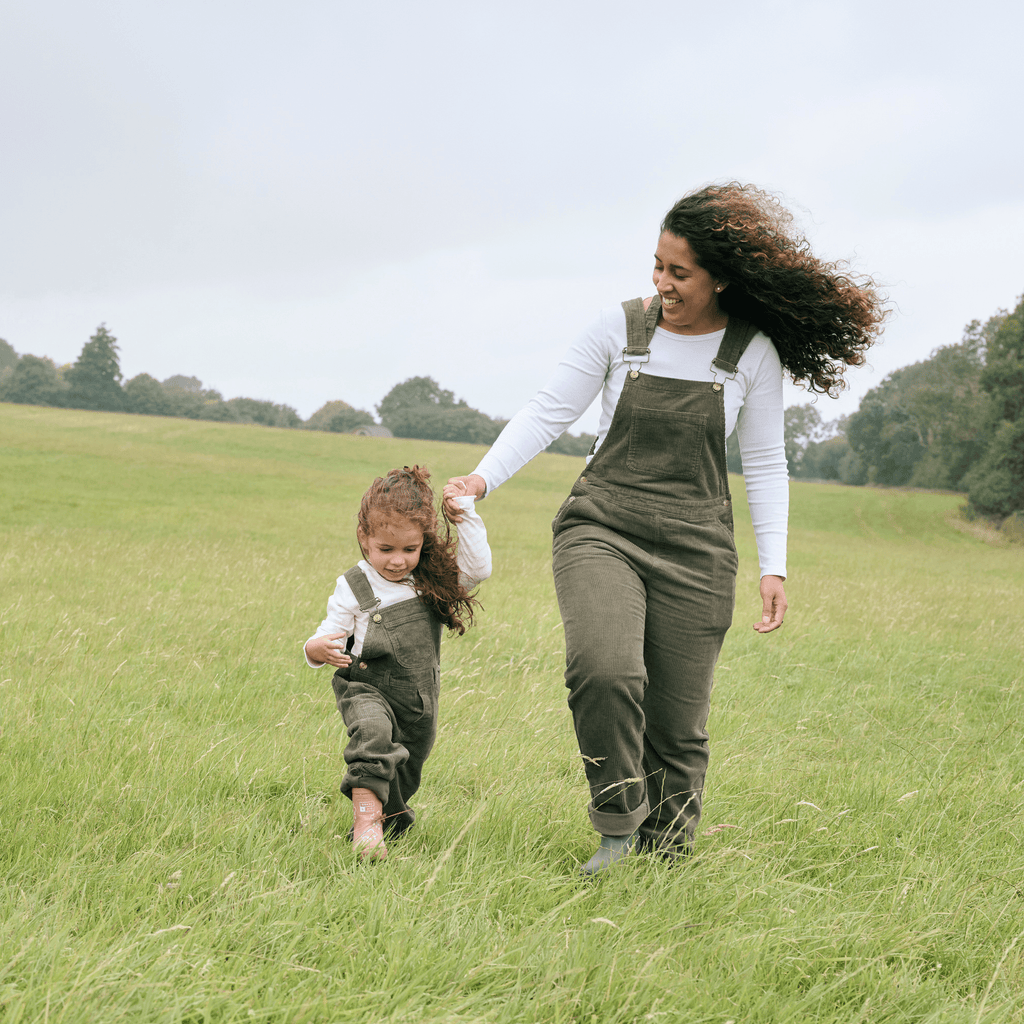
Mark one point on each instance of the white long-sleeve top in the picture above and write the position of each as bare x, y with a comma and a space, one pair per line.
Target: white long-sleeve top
594, 365
344, 614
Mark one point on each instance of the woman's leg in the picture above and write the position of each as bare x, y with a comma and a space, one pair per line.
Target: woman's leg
690, 596
603, 604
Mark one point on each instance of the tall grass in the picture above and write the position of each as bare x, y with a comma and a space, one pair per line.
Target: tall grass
173, 843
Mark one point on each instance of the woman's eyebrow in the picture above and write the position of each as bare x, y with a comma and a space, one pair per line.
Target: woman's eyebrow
672, 266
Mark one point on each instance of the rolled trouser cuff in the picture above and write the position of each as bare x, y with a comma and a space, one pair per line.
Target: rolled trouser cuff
381, 788
610, 823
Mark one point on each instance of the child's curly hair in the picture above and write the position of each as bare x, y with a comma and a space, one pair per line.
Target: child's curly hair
405, 493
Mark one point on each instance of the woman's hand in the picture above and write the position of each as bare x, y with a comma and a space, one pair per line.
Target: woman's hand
773, 604
460, 487
325, 650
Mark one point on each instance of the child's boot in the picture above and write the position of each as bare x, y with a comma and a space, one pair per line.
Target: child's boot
368, 825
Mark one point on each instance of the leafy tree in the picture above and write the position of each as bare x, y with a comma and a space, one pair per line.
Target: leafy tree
213, 407
997, 483
147, 396
420, 407
1003, 376
186, 398
852, 470
183, 383
567, 444
183, 402
321, 419
459, 423
346, 420
95, 379
414, 393
803, 427
253, 410
8, 357
823, 460
733, 459
926, 424
34, 381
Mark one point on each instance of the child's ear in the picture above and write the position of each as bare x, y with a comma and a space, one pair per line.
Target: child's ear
362, 538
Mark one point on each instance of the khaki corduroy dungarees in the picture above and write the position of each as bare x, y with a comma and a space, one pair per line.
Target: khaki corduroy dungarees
645, 572
388, 698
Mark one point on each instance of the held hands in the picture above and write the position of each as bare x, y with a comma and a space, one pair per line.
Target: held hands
774, 605
326, 650
460, 487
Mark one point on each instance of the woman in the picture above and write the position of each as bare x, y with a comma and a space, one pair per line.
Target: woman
644, 560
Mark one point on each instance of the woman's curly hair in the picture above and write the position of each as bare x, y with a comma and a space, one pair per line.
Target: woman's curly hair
820, 317
404, 493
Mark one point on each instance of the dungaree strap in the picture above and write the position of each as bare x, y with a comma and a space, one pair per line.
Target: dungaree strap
737, 337
360, 585
640, 324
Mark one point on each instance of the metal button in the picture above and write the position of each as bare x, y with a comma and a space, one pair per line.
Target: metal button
572, 497
716, 386
376, 617
583, 479
634, 374
362, 664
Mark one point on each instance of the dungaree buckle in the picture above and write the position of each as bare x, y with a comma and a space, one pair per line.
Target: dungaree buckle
630, 358
730, 369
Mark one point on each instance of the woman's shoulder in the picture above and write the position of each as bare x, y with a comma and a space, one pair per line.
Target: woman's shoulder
761, 352
608, 328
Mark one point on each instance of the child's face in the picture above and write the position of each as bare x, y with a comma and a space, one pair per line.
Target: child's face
394, 547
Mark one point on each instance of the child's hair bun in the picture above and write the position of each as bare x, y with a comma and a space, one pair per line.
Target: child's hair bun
403, 492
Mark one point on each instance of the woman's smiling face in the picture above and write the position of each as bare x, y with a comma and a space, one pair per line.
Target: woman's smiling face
689, 294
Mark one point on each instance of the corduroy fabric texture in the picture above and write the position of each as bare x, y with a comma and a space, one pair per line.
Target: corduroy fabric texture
388, 698
645, 569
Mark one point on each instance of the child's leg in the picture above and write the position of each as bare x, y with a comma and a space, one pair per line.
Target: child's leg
417, 730
367, 824
372, 755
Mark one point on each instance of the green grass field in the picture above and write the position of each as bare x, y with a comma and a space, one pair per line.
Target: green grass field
173, 839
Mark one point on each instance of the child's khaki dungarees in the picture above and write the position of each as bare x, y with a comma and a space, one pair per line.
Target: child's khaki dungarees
645, 571
388, 698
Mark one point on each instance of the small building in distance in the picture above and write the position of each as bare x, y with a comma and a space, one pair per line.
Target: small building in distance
372, 430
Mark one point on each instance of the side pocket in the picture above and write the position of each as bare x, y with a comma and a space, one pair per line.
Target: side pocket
560, 514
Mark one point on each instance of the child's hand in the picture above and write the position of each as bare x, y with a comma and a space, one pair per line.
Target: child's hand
460, 487
326, 651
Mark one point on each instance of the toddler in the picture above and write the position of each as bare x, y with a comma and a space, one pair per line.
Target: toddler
383, 635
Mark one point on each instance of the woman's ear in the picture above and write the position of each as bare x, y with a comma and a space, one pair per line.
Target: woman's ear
720, 286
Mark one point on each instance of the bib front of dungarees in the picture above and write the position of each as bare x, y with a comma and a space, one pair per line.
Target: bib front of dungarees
662, 464
401, 653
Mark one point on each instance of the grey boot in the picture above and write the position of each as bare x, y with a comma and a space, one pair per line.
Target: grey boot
610, 850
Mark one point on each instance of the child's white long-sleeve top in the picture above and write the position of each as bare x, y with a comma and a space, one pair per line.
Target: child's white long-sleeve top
343, 613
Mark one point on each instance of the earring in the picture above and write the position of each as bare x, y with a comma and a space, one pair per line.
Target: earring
718, 287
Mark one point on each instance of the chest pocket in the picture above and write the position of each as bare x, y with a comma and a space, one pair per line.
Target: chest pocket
664, 444
413, 634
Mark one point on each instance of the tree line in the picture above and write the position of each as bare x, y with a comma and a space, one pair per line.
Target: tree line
954, 421
417, 408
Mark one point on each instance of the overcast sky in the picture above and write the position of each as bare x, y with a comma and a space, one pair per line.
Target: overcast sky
310, 200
